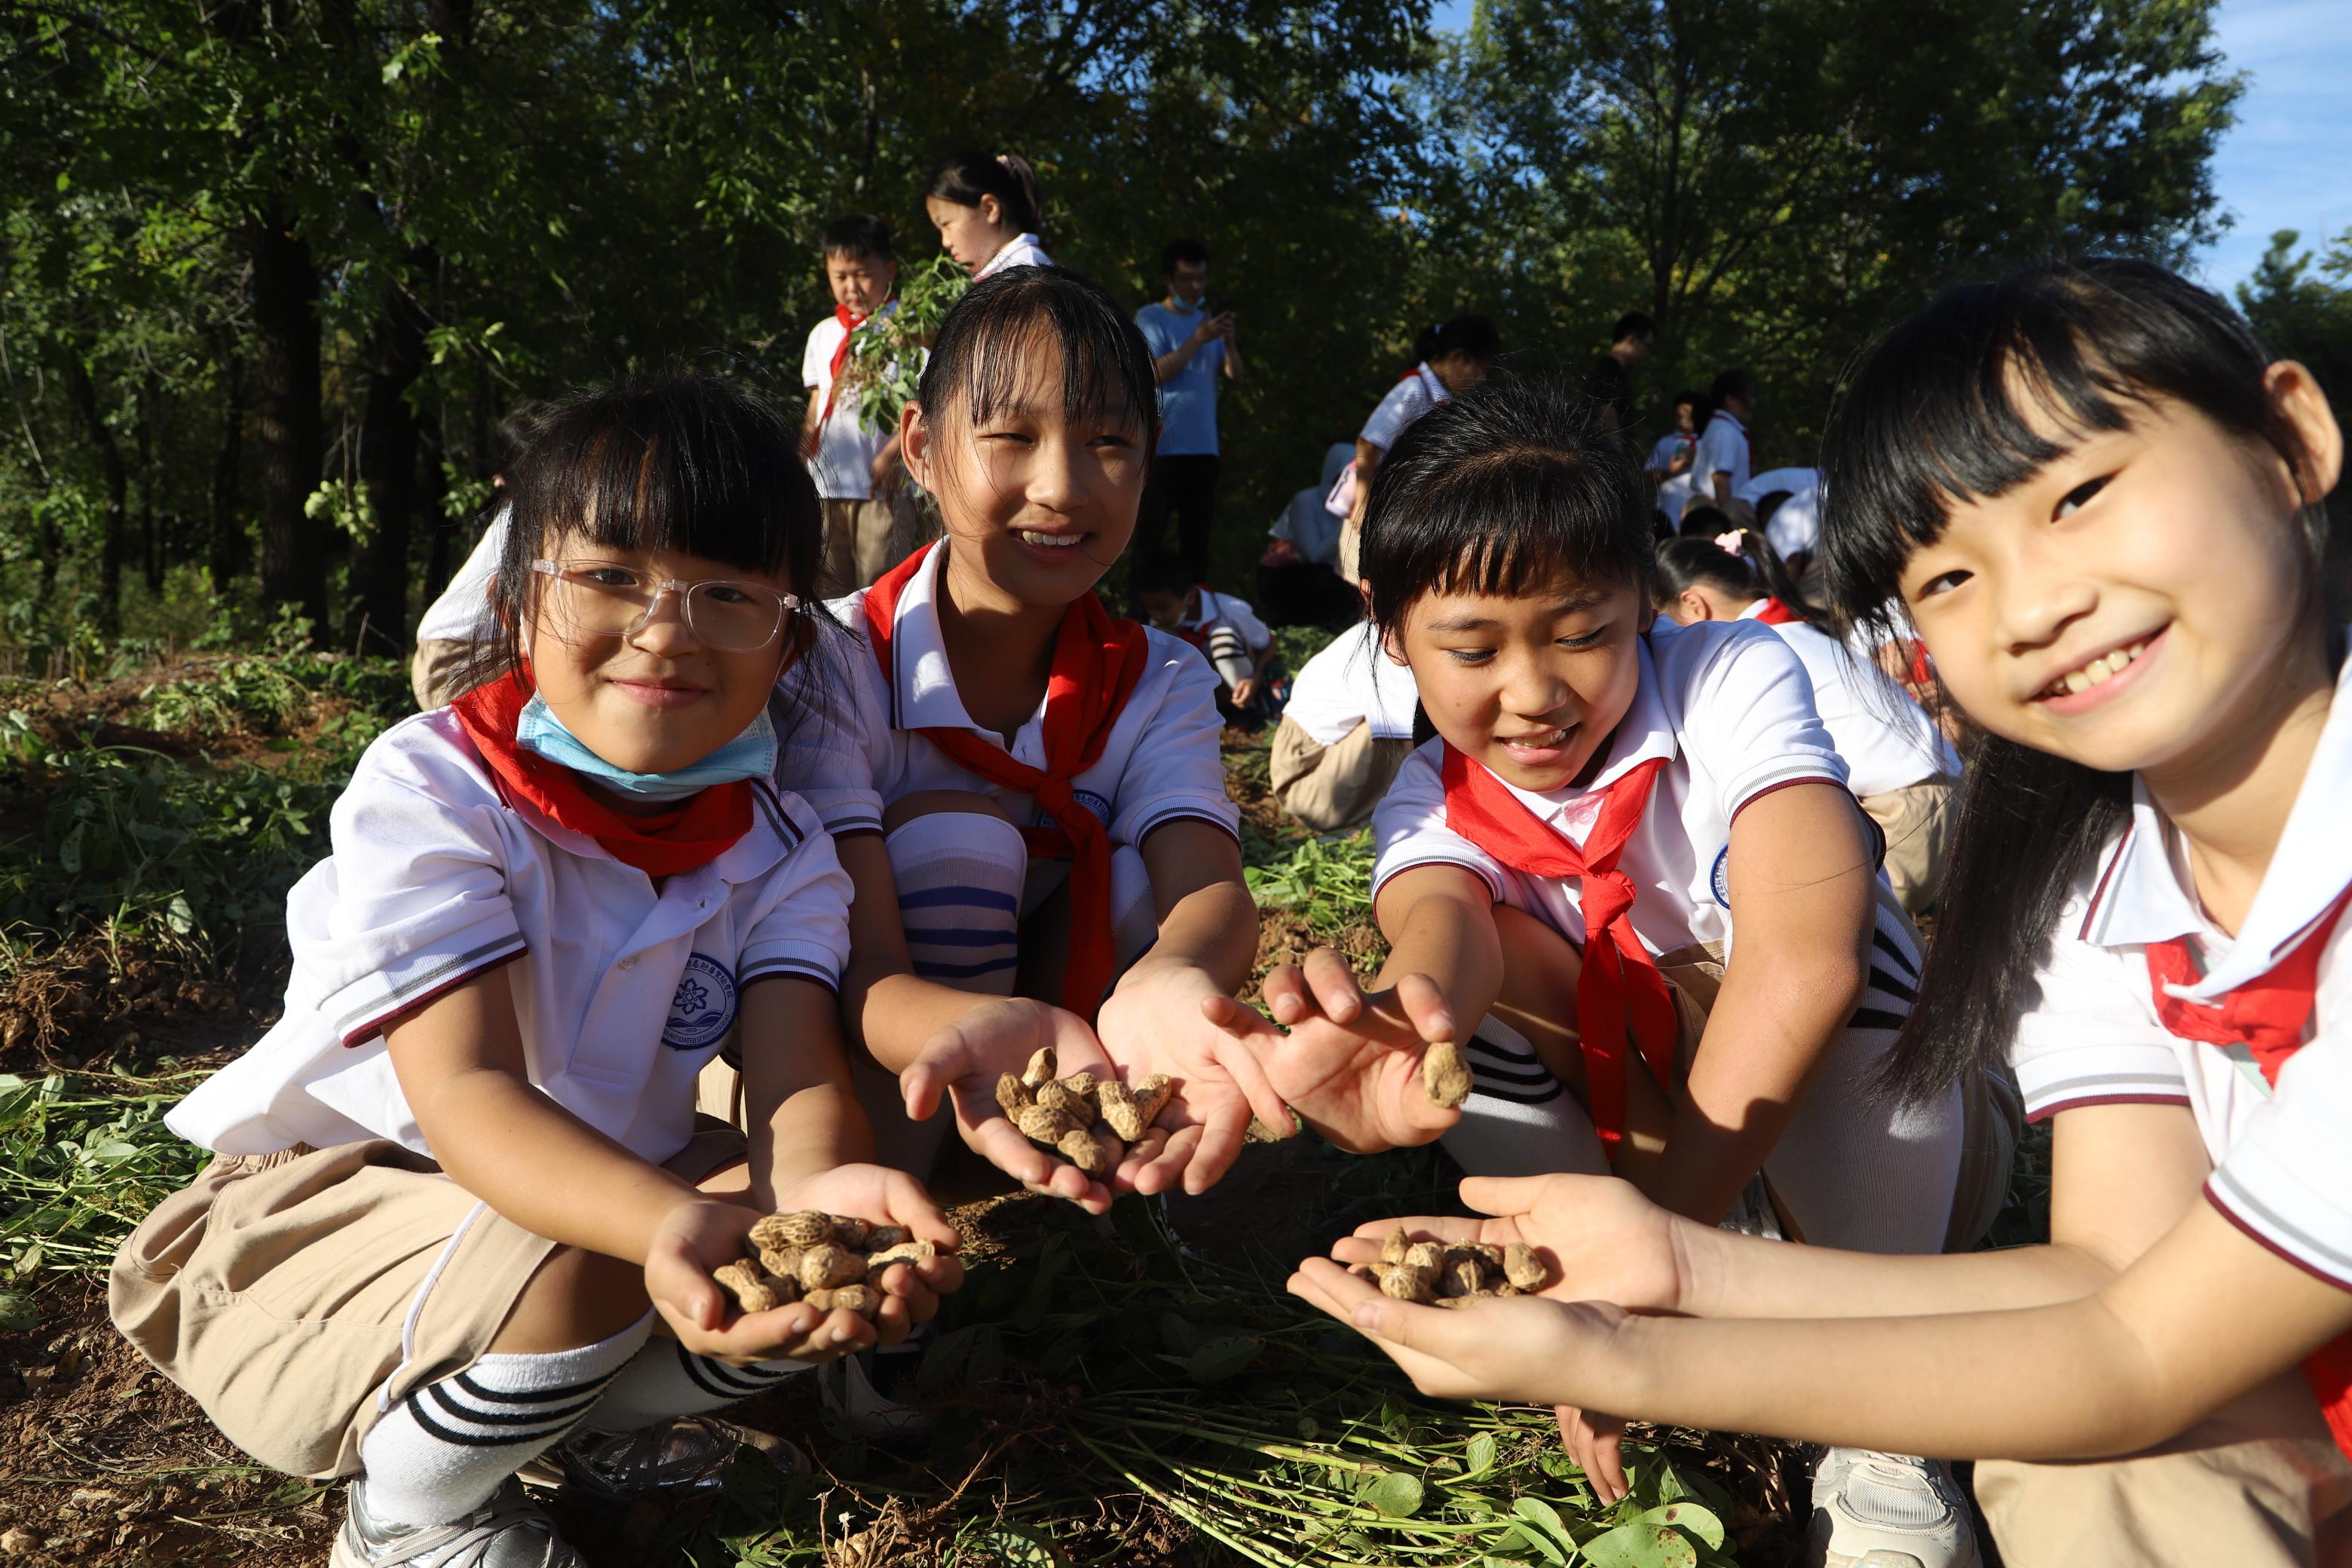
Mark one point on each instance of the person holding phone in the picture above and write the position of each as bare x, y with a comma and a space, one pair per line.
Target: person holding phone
1193, 351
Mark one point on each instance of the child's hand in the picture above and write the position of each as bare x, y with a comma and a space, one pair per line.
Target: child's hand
962, 1064
910, 1291
695, 1238
1245, 690
1175, 1018
1520, 1348
1351, 1063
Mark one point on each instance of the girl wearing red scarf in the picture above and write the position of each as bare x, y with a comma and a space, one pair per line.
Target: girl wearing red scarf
1560, 876
2102, 504
1026, 791
492, 1215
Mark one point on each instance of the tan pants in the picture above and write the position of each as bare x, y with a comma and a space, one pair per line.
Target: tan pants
1917, 821
864, 539
2258, 1484
1334, 786
298, 1296
436, 671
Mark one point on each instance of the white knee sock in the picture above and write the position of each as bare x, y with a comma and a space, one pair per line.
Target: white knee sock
960, 876
441, 1452
1519, 1121
666, 1379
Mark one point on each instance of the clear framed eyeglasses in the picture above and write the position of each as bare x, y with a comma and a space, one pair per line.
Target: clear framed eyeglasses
589, 599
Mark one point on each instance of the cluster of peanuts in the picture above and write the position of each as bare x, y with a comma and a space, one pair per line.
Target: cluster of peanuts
1088, 1121
820, 1258
1431, 1274
1444, 1074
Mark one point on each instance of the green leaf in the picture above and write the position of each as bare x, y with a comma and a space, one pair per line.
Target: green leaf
1394, 1495
65, 181
1477, 1458
1692, 1521
19, 1313
1220, 1359
1641, 1546
179, 916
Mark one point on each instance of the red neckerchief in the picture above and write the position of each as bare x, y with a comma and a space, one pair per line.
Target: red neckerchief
850, 322
1096, 662
2267, 1015
1777, 613
1197, 635
696, 833
1620, 983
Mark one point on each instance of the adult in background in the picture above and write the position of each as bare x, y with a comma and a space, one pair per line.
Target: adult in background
1451, 358
1609, 382
1673, 456
869, 523
1193, 351
1723, 456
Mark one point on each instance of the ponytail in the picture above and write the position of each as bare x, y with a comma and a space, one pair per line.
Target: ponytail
1474, 335
966, 177
1747, 565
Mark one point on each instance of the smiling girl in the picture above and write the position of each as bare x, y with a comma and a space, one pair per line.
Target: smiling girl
2101, 504
987, 212
1629, 876
1026, 792
462, 1210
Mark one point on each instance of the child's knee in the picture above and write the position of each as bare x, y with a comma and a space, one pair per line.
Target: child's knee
575, 1298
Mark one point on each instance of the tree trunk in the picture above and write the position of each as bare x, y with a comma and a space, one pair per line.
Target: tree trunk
388, 443
225, 550
289, 424
151, 533
117, 473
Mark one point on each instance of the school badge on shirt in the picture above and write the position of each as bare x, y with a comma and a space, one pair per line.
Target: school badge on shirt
703, 1010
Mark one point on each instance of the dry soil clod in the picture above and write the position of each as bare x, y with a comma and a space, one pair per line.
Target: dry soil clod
1444, 1075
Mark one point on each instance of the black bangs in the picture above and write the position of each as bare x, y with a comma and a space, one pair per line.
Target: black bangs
1990, 383
1501, 492
979, 362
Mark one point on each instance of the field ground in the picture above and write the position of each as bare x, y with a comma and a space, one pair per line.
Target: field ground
1140, 1393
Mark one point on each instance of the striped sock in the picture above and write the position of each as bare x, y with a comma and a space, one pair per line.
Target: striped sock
1519, 1121
666, 1379
441, 1452
960, 876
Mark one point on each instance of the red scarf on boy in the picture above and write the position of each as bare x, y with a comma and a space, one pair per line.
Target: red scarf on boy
1620, 984
850, 322
1096, 662
697, 832
2267, 1015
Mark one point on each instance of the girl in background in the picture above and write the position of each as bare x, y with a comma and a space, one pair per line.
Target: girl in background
2102, 505
1899, 764
1450, 359
987, 212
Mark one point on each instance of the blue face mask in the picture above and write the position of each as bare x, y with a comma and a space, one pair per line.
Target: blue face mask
749, 756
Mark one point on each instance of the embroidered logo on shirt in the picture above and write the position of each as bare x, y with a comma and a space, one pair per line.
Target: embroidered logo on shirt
1719, 879
704, 1009
1087, 798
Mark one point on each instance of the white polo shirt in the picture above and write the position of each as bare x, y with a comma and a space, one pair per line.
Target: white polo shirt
1020, 251
1352, 682
622, 991
462, 613
1407, 400
846, 445
1728, 705
1216, 608
1887, 741
1722, 449
860, 748
2283, 1163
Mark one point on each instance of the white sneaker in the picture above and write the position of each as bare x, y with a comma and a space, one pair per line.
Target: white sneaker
505, 1532
1887, 1510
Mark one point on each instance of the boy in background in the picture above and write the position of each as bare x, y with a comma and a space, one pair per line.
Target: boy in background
869, 522
1228, 633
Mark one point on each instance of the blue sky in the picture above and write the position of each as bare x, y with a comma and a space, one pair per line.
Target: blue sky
2287, 163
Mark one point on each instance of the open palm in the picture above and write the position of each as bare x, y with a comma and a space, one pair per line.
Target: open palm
964, 1061
1358, 1084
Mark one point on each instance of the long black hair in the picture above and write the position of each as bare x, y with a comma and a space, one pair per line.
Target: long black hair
1756, 571
1944, 409
985, 340
966, 177
1497, 492
665, 461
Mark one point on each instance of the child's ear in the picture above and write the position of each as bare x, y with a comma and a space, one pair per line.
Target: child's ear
1393, 647
915, 445
992, 210
2296, 394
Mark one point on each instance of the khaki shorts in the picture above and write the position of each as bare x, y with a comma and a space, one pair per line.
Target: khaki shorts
298, 1296
1334, 786
864, 539
1917, 821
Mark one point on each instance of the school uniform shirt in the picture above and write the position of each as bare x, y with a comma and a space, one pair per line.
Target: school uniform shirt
1020, 251
622, 991
860, 747
843, 464
1215, 609
1887, 741
1728, 705
1722, 449
462, 613
1352, 682
1407, 400
1188, 400
2282, 1164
